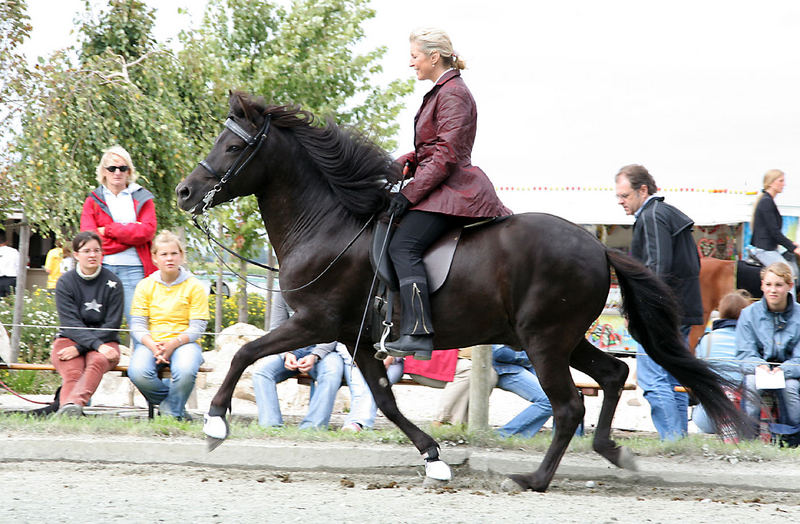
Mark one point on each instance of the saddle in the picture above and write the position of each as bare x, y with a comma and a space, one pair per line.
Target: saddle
437, 260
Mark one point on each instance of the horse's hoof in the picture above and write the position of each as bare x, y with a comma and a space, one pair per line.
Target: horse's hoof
526, 482
213, 443
627, 460
215, 428
438, 470
509, 486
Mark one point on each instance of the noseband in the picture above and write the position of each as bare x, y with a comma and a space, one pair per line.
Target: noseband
254, 144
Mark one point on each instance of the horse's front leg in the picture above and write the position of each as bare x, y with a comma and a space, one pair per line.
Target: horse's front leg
375, 374
288, 336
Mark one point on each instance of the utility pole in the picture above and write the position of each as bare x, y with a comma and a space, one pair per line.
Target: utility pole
480, 388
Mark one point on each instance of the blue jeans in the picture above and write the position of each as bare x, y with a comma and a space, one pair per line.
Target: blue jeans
668, 408
327, 375
363, 409
170, 393
789, 400
130, 276
770, 257
529, 421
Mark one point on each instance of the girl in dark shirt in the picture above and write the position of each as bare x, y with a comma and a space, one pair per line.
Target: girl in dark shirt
89, 300
767, 224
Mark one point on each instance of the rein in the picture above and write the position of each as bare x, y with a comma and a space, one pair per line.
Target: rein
207, 232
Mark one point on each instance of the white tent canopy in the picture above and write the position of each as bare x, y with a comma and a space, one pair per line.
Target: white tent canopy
598, 205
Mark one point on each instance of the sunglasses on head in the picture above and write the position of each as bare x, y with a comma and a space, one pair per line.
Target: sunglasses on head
122, 169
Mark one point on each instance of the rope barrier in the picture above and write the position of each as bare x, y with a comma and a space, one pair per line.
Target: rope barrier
213, 333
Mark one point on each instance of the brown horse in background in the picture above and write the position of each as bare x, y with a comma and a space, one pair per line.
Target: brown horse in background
717, 279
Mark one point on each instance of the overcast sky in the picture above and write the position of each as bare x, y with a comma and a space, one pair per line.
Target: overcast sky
703, 93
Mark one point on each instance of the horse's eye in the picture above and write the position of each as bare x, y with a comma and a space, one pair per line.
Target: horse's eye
233, 149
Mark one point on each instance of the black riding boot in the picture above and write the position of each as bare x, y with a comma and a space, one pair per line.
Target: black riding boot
416, 328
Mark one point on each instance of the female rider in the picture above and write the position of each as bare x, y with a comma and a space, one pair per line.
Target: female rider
767, 223
446, 189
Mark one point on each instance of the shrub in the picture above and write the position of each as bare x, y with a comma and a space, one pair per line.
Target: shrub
38, 318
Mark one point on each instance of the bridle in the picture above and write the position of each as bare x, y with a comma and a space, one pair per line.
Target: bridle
254, 144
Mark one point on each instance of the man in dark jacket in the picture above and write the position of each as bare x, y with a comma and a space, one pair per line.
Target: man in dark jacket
662, 240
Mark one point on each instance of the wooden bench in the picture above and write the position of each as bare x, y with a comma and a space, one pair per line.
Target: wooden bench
162, 373
585, 389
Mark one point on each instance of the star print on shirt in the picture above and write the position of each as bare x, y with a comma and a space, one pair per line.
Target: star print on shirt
93, 305
112, 284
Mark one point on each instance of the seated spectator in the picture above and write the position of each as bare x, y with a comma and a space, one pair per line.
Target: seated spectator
363, 409
767, 337
168, 315
515, 373
454, 402
89, 301
320, 361
718, 348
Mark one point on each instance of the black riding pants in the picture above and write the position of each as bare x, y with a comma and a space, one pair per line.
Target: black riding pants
415, 234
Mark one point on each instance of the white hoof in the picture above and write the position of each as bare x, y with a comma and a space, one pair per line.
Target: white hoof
215, 427
438, 470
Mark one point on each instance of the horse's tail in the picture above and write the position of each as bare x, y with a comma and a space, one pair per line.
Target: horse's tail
652, 313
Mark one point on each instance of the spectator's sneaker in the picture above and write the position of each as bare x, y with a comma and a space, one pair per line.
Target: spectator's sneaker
70, 410
354, 427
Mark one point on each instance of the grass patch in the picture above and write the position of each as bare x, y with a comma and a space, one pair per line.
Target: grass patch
693, 446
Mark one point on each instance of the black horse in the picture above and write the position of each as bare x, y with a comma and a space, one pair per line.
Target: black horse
531, 281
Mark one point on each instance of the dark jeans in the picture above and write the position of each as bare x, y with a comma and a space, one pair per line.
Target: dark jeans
6, 285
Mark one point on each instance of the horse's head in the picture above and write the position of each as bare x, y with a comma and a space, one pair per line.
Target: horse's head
220, 177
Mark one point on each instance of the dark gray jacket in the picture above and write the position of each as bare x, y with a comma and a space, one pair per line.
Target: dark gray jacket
662, 240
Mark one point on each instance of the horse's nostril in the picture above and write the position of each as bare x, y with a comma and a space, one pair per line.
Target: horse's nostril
183, 191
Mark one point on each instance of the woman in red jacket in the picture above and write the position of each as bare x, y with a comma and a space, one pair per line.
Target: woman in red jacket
123, 214
446, 189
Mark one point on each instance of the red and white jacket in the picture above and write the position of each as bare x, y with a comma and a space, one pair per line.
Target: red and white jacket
119, 237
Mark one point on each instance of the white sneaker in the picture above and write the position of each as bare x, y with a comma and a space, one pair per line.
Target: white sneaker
353, 427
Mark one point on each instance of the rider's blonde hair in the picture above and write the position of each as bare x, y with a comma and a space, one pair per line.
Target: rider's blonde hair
769, 177
430, 39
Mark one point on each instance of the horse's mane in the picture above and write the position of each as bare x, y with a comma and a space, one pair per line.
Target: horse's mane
356, 170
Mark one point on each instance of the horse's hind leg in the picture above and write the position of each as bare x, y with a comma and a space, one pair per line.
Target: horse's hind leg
550, 361
610, 373
375, 374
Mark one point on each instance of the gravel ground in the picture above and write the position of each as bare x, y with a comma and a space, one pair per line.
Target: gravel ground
33, 491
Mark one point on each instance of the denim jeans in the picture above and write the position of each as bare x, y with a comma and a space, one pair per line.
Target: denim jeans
770, 257
362, 405
130, 276
170, 393
789, 396
529, 421
668, 408
327, 375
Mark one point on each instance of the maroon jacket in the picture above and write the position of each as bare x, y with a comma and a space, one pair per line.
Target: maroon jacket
445, 181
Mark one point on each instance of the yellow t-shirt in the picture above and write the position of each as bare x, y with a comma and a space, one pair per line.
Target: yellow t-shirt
169, 308
53, 264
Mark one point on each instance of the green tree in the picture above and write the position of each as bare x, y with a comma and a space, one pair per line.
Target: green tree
14, 29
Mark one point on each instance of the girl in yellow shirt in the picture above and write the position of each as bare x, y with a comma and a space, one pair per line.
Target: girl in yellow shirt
168, 315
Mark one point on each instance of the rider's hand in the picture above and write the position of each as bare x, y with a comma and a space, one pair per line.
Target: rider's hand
399, 205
